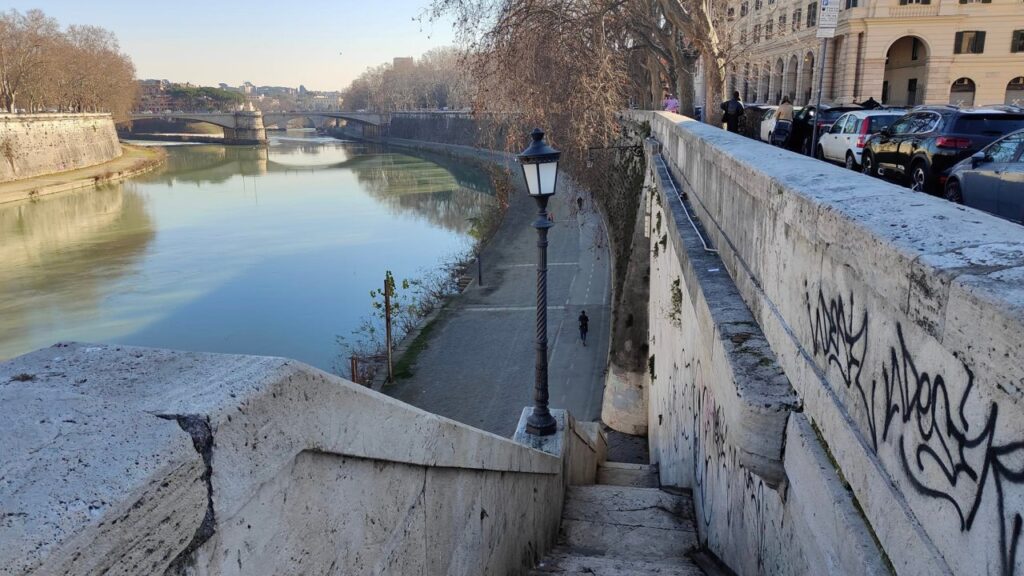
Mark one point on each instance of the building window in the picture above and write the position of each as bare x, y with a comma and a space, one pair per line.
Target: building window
885, 91
969, 42
1017, 43
757, 33
743, 36
797, 18
731, 13
757, 4
912, 91
905, 2
914, 48
975, 1
769, 29
744, 8
770, 2
851, 4
812, 14
782, 24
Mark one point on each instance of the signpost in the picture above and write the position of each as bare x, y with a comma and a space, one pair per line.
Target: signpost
828, 18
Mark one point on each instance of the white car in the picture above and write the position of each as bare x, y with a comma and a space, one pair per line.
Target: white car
768, 122
844, 142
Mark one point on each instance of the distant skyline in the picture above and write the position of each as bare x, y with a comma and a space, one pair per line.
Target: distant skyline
321, 44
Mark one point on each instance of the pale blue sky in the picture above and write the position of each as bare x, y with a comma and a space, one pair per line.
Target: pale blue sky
279, 43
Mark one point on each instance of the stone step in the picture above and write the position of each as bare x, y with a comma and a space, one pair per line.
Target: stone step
566, 562
649, 507
627, 523
623, 474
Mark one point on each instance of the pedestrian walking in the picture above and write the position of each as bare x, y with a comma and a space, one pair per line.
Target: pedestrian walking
584, 322
732, 109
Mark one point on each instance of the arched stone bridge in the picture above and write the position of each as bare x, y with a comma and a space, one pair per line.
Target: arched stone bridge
249, 126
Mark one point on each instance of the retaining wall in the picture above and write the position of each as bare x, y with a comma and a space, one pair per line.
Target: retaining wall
121, 460
39, 144
898, 321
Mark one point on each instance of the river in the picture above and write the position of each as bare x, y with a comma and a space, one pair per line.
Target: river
270, 251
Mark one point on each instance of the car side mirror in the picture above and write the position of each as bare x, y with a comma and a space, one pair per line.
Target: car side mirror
979, 158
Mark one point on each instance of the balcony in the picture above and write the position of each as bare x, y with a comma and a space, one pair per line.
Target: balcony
914, 10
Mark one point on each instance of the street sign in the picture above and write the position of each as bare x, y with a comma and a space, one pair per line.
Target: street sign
828, 18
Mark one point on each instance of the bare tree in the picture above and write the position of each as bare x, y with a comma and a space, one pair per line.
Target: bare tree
80, 69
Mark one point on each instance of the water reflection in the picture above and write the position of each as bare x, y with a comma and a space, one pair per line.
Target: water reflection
251, 250
58, 258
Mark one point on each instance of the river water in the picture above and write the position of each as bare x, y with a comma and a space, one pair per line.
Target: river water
245, 250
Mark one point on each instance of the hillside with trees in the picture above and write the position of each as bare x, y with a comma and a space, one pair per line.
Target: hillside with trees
47, 68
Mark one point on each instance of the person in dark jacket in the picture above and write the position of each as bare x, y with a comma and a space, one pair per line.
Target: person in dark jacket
584, 326
732, 110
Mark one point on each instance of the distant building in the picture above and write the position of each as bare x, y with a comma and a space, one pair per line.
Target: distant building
153, 95
403, 64
900, 52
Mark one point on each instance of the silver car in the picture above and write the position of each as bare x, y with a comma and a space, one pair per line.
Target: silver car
992, 180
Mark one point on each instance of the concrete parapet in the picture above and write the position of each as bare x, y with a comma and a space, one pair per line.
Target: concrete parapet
898, 319
126, 460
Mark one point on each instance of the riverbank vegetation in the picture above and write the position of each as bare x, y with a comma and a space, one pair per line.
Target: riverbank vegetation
47, 68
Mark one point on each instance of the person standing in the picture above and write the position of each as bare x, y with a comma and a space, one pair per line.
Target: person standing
732, 110
584, 322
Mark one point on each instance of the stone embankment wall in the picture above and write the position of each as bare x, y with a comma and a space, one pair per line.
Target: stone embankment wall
40, 144
841, 367
462, 128
121, 460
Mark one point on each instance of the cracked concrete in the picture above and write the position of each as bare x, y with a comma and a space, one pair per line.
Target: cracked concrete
131, 460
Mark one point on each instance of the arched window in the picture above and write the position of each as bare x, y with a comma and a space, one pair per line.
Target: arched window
961, 93
1015, 92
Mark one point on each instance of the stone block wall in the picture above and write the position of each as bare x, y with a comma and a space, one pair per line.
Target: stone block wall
898, 320
122, 460
40, 144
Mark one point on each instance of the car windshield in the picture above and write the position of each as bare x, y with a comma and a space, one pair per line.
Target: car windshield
988, 124
878, 122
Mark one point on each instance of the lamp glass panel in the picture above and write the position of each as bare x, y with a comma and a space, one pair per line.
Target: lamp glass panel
548, 172
532, 174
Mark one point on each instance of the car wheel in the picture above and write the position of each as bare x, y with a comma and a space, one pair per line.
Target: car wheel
850, 164
953, 192
820, 153
867, 165
919, 177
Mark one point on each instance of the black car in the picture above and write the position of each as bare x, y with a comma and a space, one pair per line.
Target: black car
804, 120
992, 179
929, 140
750, 122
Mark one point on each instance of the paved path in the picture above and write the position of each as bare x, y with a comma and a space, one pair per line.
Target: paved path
479, 365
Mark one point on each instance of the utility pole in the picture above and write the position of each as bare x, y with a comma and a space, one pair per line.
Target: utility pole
388, 283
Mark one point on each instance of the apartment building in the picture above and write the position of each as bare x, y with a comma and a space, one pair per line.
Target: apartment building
900, 52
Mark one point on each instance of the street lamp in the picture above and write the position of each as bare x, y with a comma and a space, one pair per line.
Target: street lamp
540, 168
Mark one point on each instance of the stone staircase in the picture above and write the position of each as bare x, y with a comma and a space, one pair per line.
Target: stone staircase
624, 526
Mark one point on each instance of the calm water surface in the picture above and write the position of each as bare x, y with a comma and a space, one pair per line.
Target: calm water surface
258, 251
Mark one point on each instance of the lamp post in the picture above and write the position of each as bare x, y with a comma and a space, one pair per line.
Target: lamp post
540, 168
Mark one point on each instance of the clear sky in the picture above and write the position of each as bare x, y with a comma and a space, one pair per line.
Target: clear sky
322, 44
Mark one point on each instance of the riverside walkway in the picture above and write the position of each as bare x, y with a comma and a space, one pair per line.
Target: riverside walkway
478, 367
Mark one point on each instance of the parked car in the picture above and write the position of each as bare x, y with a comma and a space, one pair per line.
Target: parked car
803, 124
929, 140
992, 179
845, 140
750, 122
769, 120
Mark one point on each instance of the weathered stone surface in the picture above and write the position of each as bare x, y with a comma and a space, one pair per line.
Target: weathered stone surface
37, 144
565, 562
897, 318
132, 460
620, 474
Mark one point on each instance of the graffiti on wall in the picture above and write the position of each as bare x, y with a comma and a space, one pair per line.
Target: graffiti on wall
944, 433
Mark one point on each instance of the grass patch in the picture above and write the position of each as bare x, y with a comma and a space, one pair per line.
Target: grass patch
403, 367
